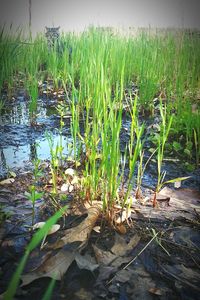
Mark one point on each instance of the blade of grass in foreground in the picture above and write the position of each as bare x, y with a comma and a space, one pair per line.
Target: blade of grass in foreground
48, 293
37, 238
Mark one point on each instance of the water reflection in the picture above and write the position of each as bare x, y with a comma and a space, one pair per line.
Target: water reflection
20, 144
14, 157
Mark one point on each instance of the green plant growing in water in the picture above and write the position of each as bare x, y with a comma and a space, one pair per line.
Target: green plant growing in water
33, 91
74, 125
134, 147
161, 139
197, 144
2, 105
141, 170
33, 195
62, 109
54, 161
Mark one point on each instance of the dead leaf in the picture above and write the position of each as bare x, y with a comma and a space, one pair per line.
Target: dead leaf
8, 243
155, 291
75, 180
121, 248
163, 201
82, 231
123, 276
86, 262
120, 228
182, 199
7, 181
5, 191
71, 172
119, 251
97, 229
103, 257
105, 272
38, 225
125, 214
54, 267
64, 187
71, 187
52, 230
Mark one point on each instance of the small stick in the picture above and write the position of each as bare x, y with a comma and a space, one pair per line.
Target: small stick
43, 242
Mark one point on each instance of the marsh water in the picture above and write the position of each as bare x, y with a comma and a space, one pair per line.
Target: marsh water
21, 143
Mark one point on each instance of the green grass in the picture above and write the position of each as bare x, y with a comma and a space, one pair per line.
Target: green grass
101, 68
102, 65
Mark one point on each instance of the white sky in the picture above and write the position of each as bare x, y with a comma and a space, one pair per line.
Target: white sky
78, 14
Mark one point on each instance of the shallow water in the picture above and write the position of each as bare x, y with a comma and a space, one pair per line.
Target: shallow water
20, 143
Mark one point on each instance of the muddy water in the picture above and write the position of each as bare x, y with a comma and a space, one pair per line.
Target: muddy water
20, 143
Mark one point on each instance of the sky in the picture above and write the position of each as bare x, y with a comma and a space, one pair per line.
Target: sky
78, 14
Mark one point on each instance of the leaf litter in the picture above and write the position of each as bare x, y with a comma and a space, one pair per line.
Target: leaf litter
130, 266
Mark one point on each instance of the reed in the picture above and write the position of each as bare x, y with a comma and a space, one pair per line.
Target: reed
54, 161
33, 92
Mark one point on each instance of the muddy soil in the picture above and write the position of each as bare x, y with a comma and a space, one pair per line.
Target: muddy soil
132, 265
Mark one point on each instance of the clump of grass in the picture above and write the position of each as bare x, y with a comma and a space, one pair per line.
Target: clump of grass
33, 195
162, 139
33, 91
54, 161
94, 69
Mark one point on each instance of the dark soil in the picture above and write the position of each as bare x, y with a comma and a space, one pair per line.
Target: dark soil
166, 271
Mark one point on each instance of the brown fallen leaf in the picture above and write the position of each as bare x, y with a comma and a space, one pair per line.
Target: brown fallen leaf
54, 228
182, 199
118, 254
7, 181
121, 228
97, 229
123, 276
121, 247
155, 291
54, 267
103, 257
81, 232
125, 214
105, 272
86, 262
162, 202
